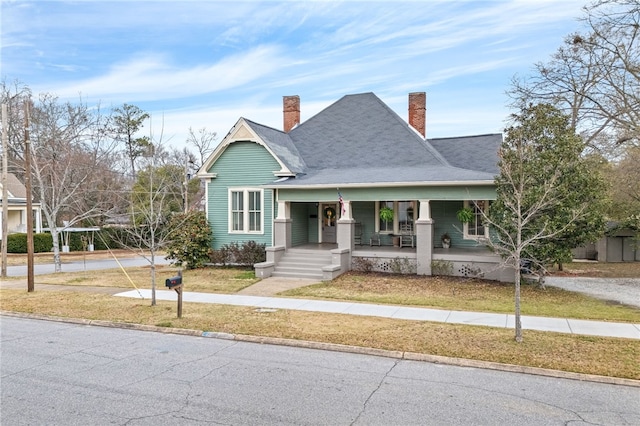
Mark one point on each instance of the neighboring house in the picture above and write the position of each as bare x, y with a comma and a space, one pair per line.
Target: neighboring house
17, 207
313, 192
619, 244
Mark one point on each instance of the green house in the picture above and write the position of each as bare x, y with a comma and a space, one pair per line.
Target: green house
316, 193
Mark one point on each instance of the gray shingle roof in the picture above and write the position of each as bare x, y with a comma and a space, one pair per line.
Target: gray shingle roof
360, 131
471, 152
281, 145
360, 140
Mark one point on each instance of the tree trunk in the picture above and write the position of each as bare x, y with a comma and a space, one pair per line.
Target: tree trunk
56, 249
153, 279
518, 336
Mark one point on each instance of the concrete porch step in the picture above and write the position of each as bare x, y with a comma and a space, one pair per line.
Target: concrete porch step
300, 263
301, 269
310, 256
303, 264
304, 261
307, 275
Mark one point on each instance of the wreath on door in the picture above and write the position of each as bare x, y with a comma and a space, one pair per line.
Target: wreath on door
329, 212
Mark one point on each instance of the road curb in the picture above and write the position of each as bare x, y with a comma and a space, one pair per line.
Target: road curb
409, 356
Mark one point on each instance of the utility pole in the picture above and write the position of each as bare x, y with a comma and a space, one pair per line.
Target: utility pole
27, 181
5, 191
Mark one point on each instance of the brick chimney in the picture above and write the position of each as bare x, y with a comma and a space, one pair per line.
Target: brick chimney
291, 112
418, 112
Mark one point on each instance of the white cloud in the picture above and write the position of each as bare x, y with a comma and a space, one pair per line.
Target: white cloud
153, 77
206, 63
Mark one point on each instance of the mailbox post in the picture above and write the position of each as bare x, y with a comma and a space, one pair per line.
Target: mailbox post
175, 283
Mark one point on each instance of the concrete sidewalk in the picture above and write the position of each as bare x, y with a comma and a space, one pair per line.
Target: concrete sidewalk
560, 325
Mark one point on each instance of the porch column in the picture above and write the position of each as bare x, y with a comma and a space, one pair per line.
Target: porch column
424, 238
346, 228
38, 221
282, 225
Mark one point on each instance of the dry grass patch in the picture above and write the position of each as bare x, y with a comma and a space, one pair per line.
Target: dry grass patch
212, 280
582, 354
465, 294
433, 292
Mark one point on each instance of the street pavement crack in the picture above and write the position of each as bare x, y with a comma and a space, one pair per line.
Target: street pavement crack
382, 380
507, 394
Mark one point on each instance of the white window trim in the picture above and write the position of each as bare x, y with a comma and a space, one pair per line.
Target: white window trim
396, 223
465, 226
245, 223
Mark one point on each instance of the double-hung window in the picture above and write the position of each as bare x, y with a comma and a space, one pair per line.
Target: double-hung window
475, 229
245, 211
401, 218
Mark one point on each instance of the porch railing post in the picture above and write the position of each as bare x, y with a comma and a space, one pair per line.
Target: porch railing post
282, 225
424, 239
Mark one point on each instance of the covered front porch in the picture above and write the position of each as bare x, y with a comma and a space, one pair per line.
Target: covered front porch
424, 256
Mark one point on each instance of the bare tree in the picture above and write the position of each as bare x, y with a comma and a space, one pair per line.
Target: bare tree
594, 77
14, 95
191, 188
154, 199
70, 158
203, 140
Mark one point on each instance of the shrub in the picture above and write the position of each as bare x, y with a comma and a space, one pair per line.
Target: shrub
402, 266
441, 267
362, 264
191, 239
219, 257
17, 243
42, 242
247, 254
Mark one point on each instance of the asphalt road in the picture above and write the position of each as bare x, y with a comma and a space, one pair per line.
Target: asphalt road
81, 265
67, 374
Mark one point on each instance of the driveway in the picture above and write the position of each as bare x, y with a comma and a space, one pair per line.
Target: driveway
84, 265
620, 290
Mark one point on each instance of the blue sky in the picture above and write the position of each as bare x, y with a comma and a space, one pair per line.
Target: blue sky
207, 63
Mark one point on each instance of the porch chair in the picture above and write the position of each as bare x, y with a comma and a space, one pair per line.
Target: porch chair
375, 239
357, 234
407, 237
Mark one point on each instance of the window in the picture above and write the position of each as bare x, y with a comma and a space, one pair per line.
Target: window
237, 211
385, 222
255, 211
475, 229
245, 210
403, 215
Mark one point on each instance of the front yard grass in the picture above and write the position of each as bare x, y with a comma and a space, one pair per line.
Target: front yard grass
207, 280
582, 354
466, 295
432, 292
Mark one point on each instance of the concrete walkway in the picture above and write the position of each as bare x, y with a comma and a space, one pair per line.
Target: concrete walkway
560, 325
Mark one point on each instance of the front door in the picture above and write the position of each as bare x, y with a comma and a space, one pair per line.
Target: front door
328, 217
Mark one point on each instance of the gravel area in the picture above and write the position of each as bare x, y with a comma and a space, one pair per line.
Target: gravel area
622, 290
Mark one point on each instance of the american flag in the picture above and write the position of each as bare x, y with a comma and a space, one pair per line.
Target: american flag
341, 202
